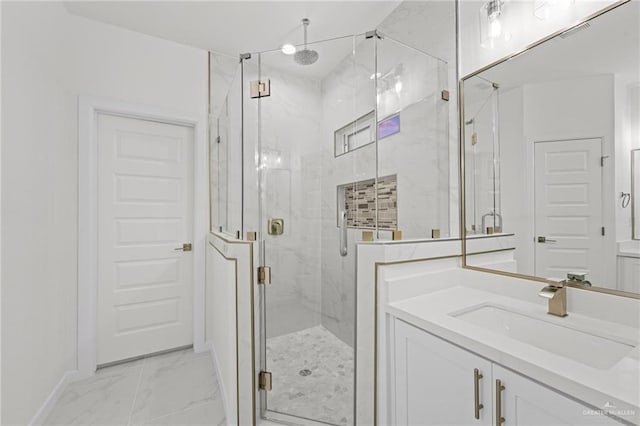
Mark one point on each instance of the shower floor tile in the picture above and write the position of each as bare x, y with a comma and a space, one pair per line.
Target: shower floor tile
325, 393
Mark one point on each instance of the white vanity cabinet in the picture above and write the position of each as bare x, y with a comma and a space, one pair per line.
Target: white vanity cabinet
435, 381
435, 384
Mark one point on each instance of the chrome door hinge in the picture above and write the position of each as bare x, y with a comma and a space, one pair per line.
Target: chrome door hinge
264, 381
603, 231
264, 275
604, 157
260, 88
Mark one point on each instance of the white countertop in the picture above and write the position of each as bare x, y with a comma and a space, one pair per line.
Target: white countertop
618, 385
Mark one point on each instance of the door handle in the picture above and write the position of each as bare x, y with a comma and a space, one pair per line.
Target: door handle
499, 388
185, 247
476, 393
546, 240
343, 233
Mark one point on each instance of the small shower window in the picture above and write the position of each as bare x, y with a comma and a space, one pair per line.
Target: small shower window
360, 132
356, 134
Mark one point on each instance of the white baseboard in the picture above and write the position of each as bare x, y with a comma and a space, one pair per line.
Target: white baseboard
223, 391
41, 415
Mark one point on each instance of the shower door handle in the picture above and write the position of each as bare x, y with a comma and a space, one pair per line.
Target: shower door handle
343, 233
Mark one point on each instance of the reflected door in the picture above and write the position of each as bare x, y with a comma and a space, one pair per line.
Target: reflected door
568, 208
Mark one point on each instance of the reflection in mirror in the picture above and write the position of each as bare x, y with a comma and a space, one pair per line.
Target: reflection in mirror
547, 140
634, 195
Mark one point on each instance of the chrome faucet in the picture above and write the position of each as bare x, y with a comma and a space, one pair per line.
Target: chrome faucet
557, 295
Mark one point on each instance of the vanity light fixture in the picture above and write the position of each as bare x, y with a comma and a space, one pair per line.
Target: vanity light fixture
288, 49
490, 24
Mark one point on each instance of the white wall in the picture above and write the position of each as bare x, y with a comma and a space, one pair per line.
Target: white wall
517, 20
49, 58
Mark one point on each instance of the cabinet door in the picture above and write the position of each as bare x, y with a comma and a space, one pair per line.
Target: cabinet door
435, 381
525, 402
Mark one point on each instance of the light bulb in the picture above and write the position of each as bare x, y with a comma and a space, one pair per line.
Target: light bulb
495, 28
398, 86
288, 49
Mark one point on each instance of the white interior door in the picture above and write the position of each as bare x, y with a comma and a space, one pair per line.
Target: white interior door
568, 208
145, 296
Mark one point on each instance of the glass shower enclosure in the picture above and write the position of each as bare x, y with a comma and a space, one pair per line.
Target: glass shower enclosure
315, 159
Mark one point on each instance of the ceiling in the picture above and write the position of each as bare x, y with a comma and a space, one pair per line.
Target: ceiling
234, 27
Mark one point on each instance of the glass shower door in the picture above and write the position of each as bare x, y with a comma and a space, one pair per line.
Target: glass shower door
316, 162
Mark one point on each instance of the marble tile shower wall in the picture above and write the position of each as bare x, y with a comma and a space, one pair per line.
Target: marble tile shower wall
418, 156
430, 27
347, 93
289, 130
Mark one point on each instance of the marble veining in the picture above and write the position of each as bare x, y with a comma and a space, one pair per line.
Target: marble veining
177, 388
326, 393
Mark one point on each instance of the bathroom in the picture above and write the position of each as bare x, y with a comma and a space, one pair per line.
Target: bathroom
284, 238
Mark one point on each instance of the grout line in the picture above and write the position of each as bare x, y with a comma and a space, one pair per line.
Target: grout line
135, 396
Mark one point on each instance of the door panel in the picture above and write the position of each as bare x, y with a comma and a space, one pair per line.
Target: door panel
526, 403
568, 208
144, 213
435, 381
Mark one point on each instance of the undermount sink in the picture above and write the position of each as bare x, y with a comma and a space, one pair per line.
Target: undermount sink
591, 349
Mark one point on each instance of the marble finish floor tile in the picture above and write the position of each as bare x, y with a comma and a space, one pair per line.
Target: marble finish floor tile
174, 382
210, 413
177, 388
326, 394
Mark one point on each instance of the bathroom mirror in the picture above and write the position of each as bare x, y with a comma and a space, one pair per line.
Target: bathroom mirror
547, 138
635, 193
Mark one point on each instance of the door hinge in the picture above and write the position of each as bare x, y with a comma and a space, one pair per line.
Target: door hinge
260, 88
372, 34
603, 231
604, 157
264, 381
264, 275
444, 95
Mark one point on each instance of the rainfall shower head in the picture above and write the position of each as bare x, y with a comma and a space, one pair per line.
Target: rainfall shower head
305, 56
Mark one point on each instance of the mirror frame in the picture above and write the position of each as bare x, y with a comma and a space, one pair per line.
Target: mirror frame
461, 162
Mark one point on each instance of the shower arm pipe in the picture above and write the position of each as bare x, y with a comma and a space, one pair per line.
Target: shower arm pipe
305, 23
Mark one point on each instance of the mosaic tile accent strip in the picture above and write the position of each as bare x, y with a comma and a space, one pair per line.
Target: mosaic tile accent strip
360, 203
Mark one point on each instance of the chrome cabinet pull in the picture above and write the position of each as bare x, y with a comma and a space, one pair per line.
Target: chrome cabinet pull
476, 393
499, 389
343, 233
